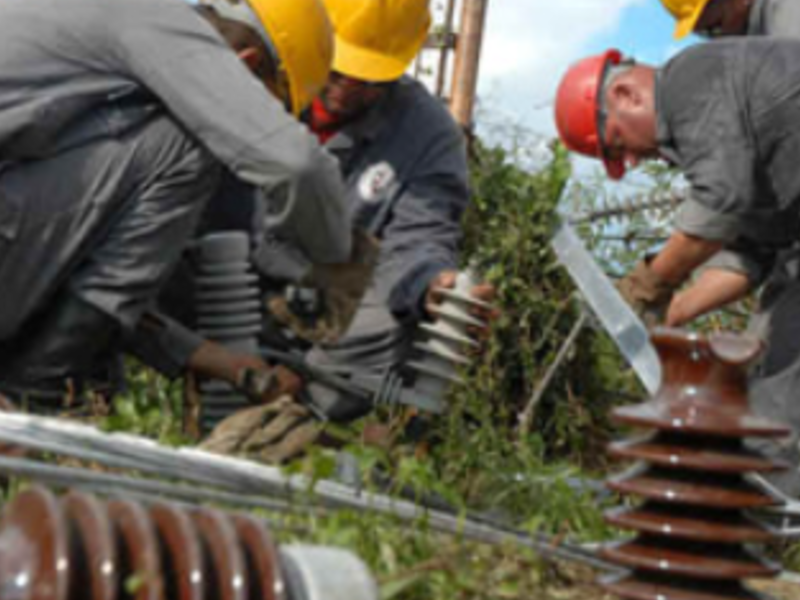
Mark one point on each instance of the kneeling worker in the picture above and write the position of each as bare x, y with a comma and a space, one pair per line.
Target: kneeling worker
404, 160
116, 121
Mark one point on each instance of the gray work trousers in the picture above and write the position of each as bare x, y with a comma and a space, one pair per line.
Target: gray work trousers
108, 220
775, 382
375, 342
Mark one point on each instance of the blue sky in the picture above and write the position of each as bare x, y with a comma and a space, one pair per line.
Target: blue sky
530, 43
644, 30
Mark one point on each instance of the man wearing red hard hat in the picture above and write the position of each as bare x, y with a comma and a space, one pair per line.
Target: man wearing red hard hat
725, 114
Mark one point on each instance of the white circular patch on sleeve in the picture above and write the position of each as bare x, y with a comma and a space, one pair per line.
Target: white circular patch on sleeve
375, 181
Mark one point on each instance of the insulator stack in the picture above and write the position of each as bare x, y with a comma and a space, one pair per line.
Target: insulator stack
443, 346
228, 312
694, 540
79, 548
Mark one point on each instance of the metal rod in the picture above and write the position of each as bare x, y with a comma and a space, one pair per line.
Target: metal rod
526, 417
62, 476
467, 64
444, 51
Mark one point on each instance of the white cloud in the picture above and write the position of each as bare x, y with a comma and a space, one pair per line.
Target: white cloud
529, 44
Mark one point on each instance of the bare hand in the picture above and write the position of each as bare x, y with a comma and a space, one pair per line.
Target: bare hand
484, 292
215, 361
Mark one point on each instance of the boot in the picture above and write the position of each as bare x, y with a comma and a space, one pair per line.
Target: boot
51, 359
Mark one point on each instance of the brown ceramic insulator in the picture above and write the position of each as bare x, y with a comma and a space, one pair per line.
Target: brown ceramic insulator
690, 523
139, 553
79, 548
712, 454
181, 553
690, 487
225, 562
704, 388
692, 529
261, 557
646, 586
34, 548
690, 559
93, 556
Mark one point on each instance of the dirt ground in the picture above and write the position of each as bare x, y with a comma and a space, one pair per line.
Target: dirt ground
583, 587
779, 590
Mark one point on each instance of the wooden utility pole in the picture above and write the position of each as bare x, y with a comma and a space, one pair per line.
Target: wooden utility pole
468, 56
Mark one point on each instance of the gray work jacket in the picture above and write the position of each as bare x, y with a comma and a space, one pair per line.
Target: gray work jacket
406, 172
775, 18
727, 117
72, 71
405, 166
747, 255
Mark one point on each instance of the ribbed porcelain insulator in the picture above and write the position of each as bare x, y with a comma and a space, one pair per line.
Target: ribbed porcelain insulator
693, 540
81, 548
228, 308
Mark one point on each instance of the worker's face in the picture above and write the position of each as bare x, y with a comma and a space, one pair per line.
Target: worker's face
346, 97
724, 17
262, 67
629, 124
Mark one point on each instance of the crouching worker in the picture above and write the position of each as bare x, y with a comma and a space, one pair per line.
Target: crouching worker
404, 160
726, 114
116, 122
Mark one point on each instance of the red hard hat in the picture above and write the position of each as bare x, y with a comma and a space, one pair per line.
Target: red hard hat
578, 108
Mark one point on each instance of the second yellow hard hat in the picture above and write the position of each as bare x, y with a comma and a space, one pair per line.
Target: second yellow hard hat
686, 13
376, 40
301, 34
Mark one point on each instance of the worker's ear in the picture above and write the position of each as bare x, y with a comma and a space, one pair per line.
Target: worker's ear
251, 57
625, 95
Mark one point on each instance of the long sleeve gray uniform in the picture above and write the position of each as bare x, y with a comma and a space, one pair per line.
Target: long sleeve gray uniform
774, 18
406, 172
728, 117
113, 115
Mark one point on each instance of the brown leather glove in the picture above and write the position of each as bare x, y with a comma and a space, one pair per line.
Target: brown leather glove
271, 434
343, 286
647, 293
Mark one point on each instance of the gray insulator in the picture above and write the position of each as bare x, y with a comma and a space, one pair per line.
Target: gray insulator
442, 351
390, 390
320, 573
228, 311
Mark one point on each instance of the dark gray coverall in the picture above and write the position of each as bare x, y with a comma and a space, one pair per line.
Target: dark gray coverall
764, 258
116, 119
775, 18
728, 115
405, 168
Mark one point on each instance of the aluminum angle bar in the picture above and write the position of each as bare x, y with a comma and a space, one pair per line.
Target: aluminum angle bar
617, 318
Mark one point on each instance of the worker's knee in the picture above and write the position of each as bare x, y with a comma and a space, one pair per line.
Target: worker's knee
171, 156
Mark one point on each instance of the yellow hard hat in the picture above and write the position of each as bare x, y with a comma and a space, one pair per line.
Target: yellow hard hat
687, 13
300, 34
376, 40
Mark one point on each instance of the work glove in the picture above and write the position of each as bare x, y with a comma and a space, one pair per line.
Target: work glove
648, 294
341, 288
271, 434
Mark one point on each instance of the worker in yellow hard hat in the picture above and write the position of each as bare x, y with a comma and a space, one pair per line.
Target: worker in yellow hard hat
715, 18
117, 121
404, 160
